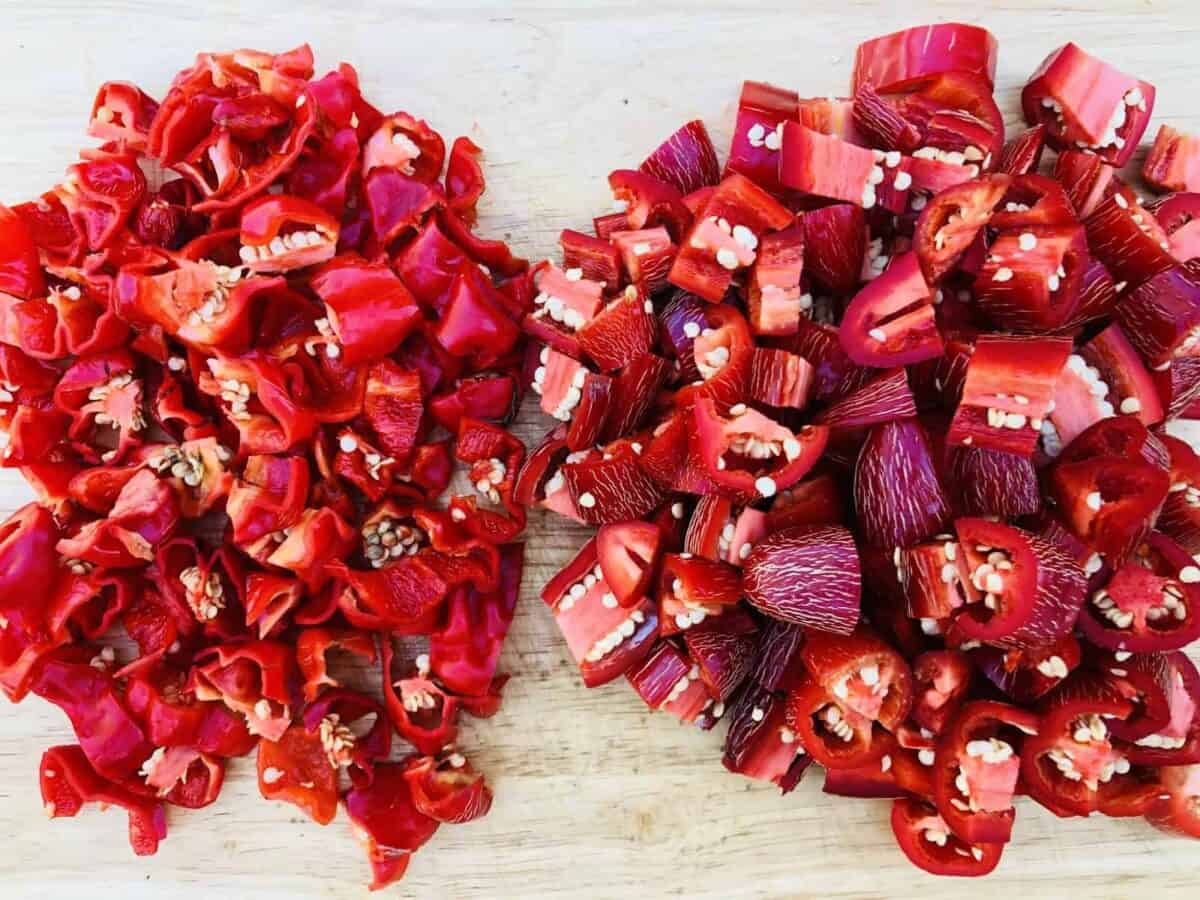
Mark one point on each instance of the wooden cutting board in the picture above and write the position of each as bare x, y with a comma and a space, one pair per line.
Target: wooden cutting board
595, 797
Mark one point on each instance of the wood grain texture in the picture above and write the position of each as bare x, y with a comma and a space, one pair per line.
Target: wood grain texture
594, 796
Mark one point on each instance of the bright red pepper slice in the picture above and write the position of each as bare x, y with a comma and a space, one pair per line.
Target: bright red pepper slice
890, 322
666, 681
927, 50
464, 652
1020, 590
20, 269
864, 674
927, 841
606, 639
1084, 102
976, 770
68, 781
1070, 766
748, 455
386, 820
295, 768
369, 310
1149, 604
447, 788
835, 735
1008, 391
757, 133
257, 679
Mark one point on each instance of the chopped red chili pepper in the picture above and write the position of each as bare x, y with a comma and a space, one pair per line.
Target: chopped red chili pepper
886, 435
224, 383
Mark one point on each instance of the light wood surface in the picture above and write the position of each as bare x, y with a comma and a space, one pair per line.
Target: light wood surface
595, 797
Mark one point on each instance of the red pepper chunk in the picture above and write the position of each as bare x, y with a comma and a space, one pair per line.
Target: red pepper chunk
757, 136
475, 324
295, 768
1021, 591
927, 50
926, 839
725, 235
1085, 102
890, 322
866, 676
68, 781
464, 652
312, 655
27, 557
976, 770
606, 639
835, 735
666, 680
1071, 766
385, 819
761, 745
748, 455
1173, 163
1151, 603
1008, 392
20, 270
280, 233
369, 309
447, 788
828, 167
257, 679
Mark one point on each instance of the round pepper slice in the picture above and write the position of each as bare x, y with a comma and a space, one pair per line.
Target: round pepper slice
1021, 590
928, 843
976, 768
1151, 604
748, 455
835, 735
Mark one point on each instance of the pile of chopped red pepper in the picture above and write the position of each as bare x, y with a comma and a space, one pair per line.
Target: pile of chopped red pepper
878, 424
244, 344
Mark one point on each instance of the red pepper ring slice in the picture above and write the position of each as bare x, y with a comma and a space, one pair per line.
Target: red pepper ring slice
1020, 590
1149, 604
1071, 767
976, 768
865, 674
927, 841
950, 224
834, 735
1177, 741
749, 456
